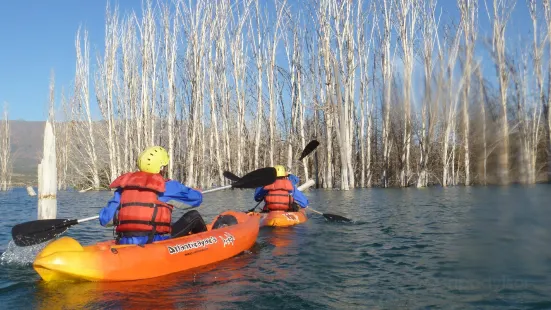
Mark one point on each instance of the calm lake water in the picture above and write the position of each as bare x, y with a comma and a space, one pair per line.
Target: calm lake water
453, 248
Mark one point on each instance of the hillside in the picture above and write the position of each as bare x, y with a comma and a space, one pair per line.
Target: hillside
26, 144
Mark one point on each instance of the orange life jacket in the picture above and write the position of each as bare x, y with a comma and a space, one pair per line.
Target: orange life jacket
140, 212
279, 196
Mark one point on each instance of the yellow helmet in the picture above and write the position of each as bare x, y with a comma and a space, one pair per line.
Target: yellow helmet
280, 171
152, 159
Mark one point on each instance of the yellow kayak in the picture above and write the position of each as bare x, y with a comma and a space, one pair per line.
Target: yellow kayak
283, 218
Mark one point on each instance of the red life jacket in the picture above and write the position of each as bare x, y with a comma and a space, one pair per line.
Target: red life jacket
140, 212
279, 196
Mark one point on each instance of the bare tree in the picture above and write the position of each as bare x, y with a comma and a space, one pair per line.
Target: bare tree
272, 47
105, 87
325, 56
87, 148
366, 109
170, 48
387, 81
547, 103
291, 51
130, 94
217, 69
342, 16
407, 12
469, 22
196, 21
529, 116
502, 10
146, 123
259, 55
449, 106
238, 52
483, 117
196, 85
5, 154
529, 107
429, 32
62, 132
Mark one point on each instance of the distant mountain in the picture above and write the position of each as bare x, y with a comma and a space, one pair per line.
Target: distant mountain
27, 138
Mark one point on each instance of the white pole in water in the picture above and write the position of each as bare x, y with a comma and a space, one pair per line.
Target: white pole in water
306, 185
47, 177
30, 191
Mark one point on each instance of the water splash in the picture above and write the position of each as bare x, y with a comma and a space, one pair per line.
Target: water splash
15, 255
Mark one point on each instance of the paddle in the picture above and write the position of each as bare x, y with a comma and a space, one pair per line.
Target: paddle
331, 217
35, 232
230, 176
309, 148
256, 206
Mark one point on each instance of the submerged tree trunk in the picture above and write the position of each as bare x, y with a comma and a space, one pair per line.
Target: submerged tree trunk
387, 83
47, 177
5, 154
449, 109
430, 36
547, 103
83, 101
197, 20
469, 16
502, 10
105, 89
170, 48
407, 12
483, 116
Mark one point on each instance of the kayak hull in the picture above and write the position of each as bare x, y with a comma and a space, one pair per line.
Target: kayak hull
66, 259
283, 218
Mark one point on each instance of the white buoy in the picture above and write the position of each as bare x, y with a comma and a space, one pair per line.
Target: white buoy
30, 191
306, 185
85, 190
47, 177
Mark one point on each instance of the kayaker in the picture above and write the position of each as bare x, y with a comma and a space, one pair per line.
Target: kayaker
141, 207
283, 194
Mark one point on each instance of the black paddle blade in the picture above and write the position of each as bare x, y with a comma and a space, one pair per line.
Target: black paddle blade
309, 148
257, 178
230, 176
336, 218
35, 232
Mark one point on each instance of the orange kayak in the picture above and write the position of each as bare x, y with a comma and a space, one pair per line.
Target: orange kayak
66, 259
283, 218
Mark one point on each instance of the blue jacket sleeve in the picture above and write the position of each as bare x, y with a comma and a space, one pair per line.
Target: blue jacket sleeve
178, 192
106, 213
299, 197
259, 193
294, 179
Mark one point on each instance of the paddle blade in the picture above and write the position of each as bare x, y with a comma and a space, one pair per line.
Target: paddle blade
310, 147
257, 178
336, 218
35, 232
230, 176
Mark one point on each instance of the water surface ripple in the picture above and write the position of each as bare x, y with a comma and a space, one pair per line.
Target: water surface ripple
453, 248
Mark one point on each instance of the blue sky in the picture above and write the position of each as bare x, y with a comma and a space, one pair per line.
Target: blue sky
37, 37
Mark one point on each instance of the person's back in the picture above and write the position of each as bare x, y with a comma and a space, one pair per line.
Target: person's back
282, 195
140, 212
141, 207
